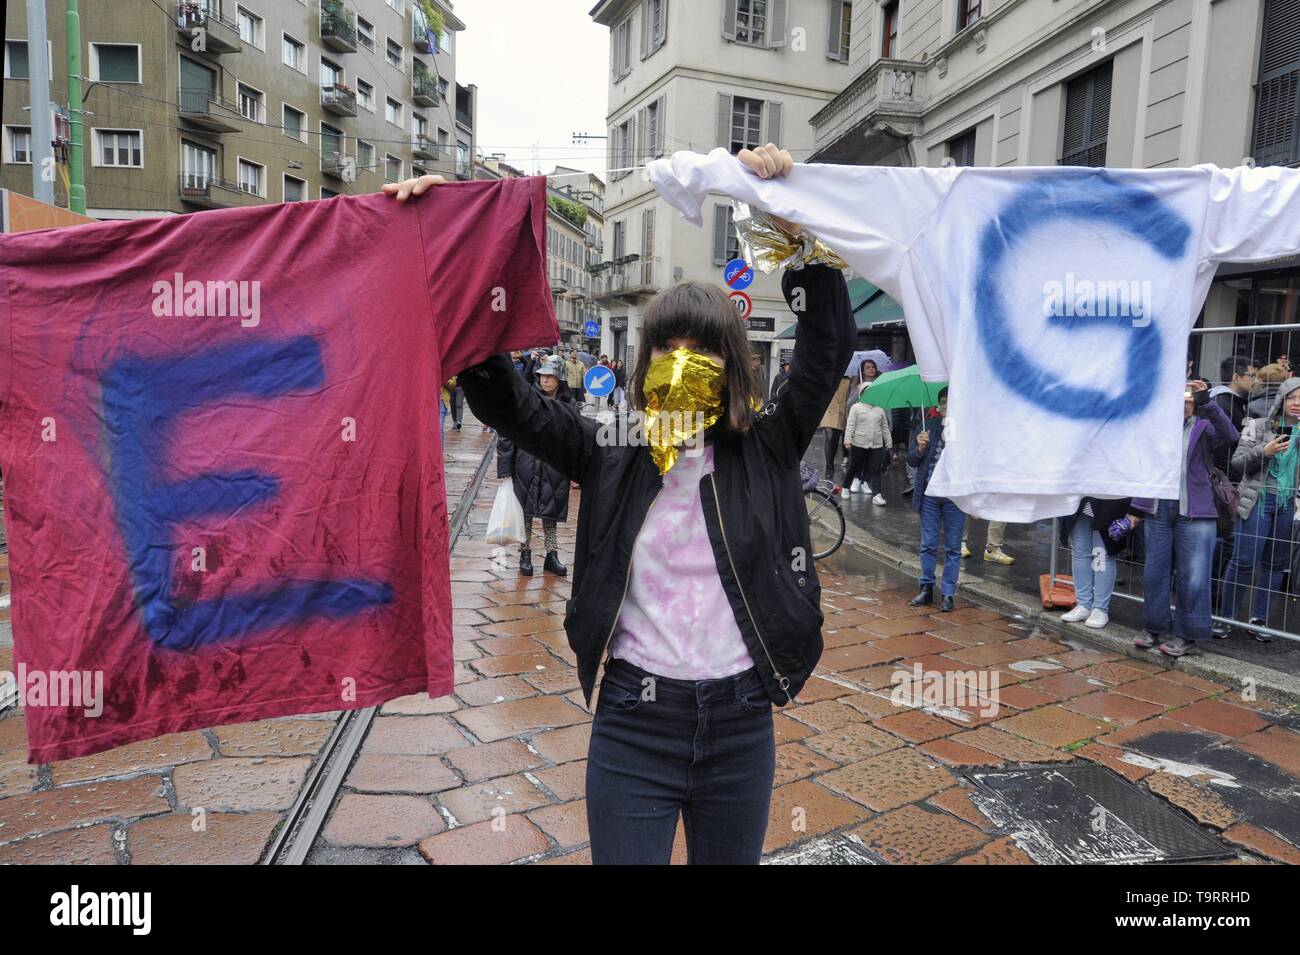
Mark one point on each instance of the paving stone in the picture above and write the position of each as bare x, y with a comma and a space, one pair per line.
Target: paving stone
852, 743
818, 689
413, 736
1002, 851
827, 715
916, 836
1112, 758
916, 726
498, 797
1115, 708
1053, 726
1276, 745
1201, 803
223, 838
519, 717
378, 773
489, 760
1262, 842
1114, 672
914, 645
567, 781
1011, 748
147, 755
419, 704
273, 738
797, 761
495, 842
514, 664
853, 658
1226, 719
376, 821
1065, 686
240, 784
92, 845
901, 625
874, 706
953, 753
563, 745
565, 823
498, 690
1155, 689
890, 780
958, 802
69, 806
803, 810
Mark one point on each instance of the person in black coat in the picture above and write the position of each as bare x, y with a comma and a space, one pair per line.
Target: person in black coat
542, 490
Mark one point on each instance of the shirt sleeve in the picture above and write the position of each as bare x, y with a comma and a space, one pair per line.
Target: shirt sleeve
1252, 214
870, 215
484, 248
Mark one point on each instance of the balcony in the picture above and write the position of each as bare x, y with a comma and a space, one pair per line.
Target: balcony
201, 189
338, 165
628, 278
204, 108
875, 115
422, 147
338, 28
218, 34
464, 119
424, 88
339, 100
464, 168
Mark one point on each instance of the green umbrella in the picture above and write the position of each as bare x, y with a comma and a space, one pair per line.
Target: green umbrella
903, 389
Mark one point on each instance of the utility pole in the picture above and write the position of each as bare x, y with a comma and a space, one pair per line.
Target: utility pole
38, 69
77, 152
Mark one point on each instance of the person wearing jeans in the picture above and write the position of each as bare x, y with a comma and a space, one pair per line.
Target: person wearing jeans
939, 515
1093, 563
1180, 535
1268, 462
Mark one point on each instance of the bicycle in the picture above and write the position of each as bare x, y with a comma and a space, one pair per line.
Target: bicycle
826, 525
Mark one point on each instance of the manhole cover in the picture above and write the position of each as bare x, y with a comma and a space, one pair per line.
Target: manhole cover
831, 850
1086, 814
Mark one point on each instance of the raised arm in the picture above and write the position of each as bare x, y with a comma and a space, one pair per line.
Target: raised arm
553, 431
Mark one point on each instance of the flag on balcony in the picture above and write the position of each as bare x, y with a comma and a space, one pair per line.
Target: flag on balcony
1057, 302
220, 444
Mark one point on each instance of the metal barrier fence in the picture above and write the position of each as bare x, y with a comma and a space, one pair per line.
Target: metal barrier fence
1267, 558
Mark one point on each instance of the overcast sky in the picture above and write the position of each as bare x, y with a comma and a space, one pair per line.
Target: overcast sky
541, 71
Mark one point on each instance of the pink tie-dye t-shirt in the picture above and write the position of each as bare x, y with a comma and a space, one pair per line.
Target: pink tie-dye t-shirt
676, 620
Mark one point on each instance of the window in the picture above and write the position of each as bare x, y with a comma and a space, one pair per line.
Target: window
621, 48
396, 5
652, 130
647, 246
118, 147
1087, 118
294, 54
622, 142
968, 11
392, 168
840, 29
654, 25
115, 62
394, 53
746, 123
18, 144
294, 122
889, 38
442, 89
393, 111
961, 149
198, 165
251, 103
421, 125
16, 62
251, 177
365, 155
366, 33
1274, 138
331, 74
620, 239
250, 27
751, 22
327, 193
295, 190
365, 94
332, 143
725, 244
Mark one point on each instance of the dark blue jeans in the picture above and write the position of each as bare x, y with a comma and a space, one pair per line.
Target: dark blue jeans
1182, 546
1261, 553
941, 516
704, 748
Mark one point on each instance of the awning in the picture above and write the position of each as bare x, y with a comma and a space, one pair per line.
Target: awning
872, 308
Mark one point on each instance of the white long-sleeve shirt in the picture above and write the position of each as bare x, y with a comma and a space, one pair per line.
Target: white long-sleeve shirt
1055, 301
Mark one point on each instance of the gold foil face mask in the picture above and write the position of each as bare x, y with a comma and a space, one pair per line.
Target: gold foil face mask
683, 397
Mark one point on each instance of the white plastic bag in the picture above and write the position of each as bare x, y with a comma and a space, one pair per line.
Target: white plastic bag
506, 524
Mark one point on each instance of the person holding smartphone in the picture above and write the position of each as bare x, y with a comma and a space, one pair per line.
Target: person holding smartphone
1267, 457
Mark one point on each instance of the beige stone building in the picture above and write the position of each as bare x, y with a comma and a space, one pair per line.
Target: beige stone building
194, 104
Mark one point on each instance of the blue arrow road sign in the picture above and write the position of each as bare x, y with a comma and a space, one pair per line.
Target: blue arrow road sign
599, 381
591, 329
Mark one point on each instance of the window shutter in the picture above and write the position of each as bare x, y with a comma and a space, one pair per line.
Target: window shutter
833, 46
776, 24
1274, 139
642, 147
724, 120
661, 123
729, 19
772, 134
663, 25
720, 235
648, 246
647, 26
1099, 121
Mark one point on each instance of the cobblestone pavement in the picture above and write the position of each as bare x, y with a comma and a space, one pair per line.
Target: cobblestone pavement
495, 773
209, 796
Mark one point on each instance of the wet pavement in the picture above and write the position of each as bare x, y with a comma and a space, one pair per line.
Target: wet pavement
898, 526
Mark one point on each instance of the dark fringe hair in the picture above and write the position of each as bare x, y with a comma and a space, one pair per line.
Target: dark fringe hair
702, 314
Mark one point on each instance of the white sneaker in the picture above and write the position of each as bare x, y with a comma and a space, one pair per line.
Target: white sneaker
856, 486
879, 499
1097, 619
1075, 615
844, 492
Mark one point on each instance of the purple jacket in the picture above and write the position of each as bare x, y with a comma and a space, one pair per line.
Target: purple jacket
1216, 430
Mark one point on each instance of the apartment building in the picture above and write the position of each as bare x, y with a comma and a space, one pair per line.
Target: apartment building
1128, 83
698, 75
575, 223
197, 104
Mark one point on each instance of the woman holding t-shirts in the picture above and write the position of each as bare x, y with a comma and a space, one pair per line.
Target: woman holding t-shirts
691, 575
